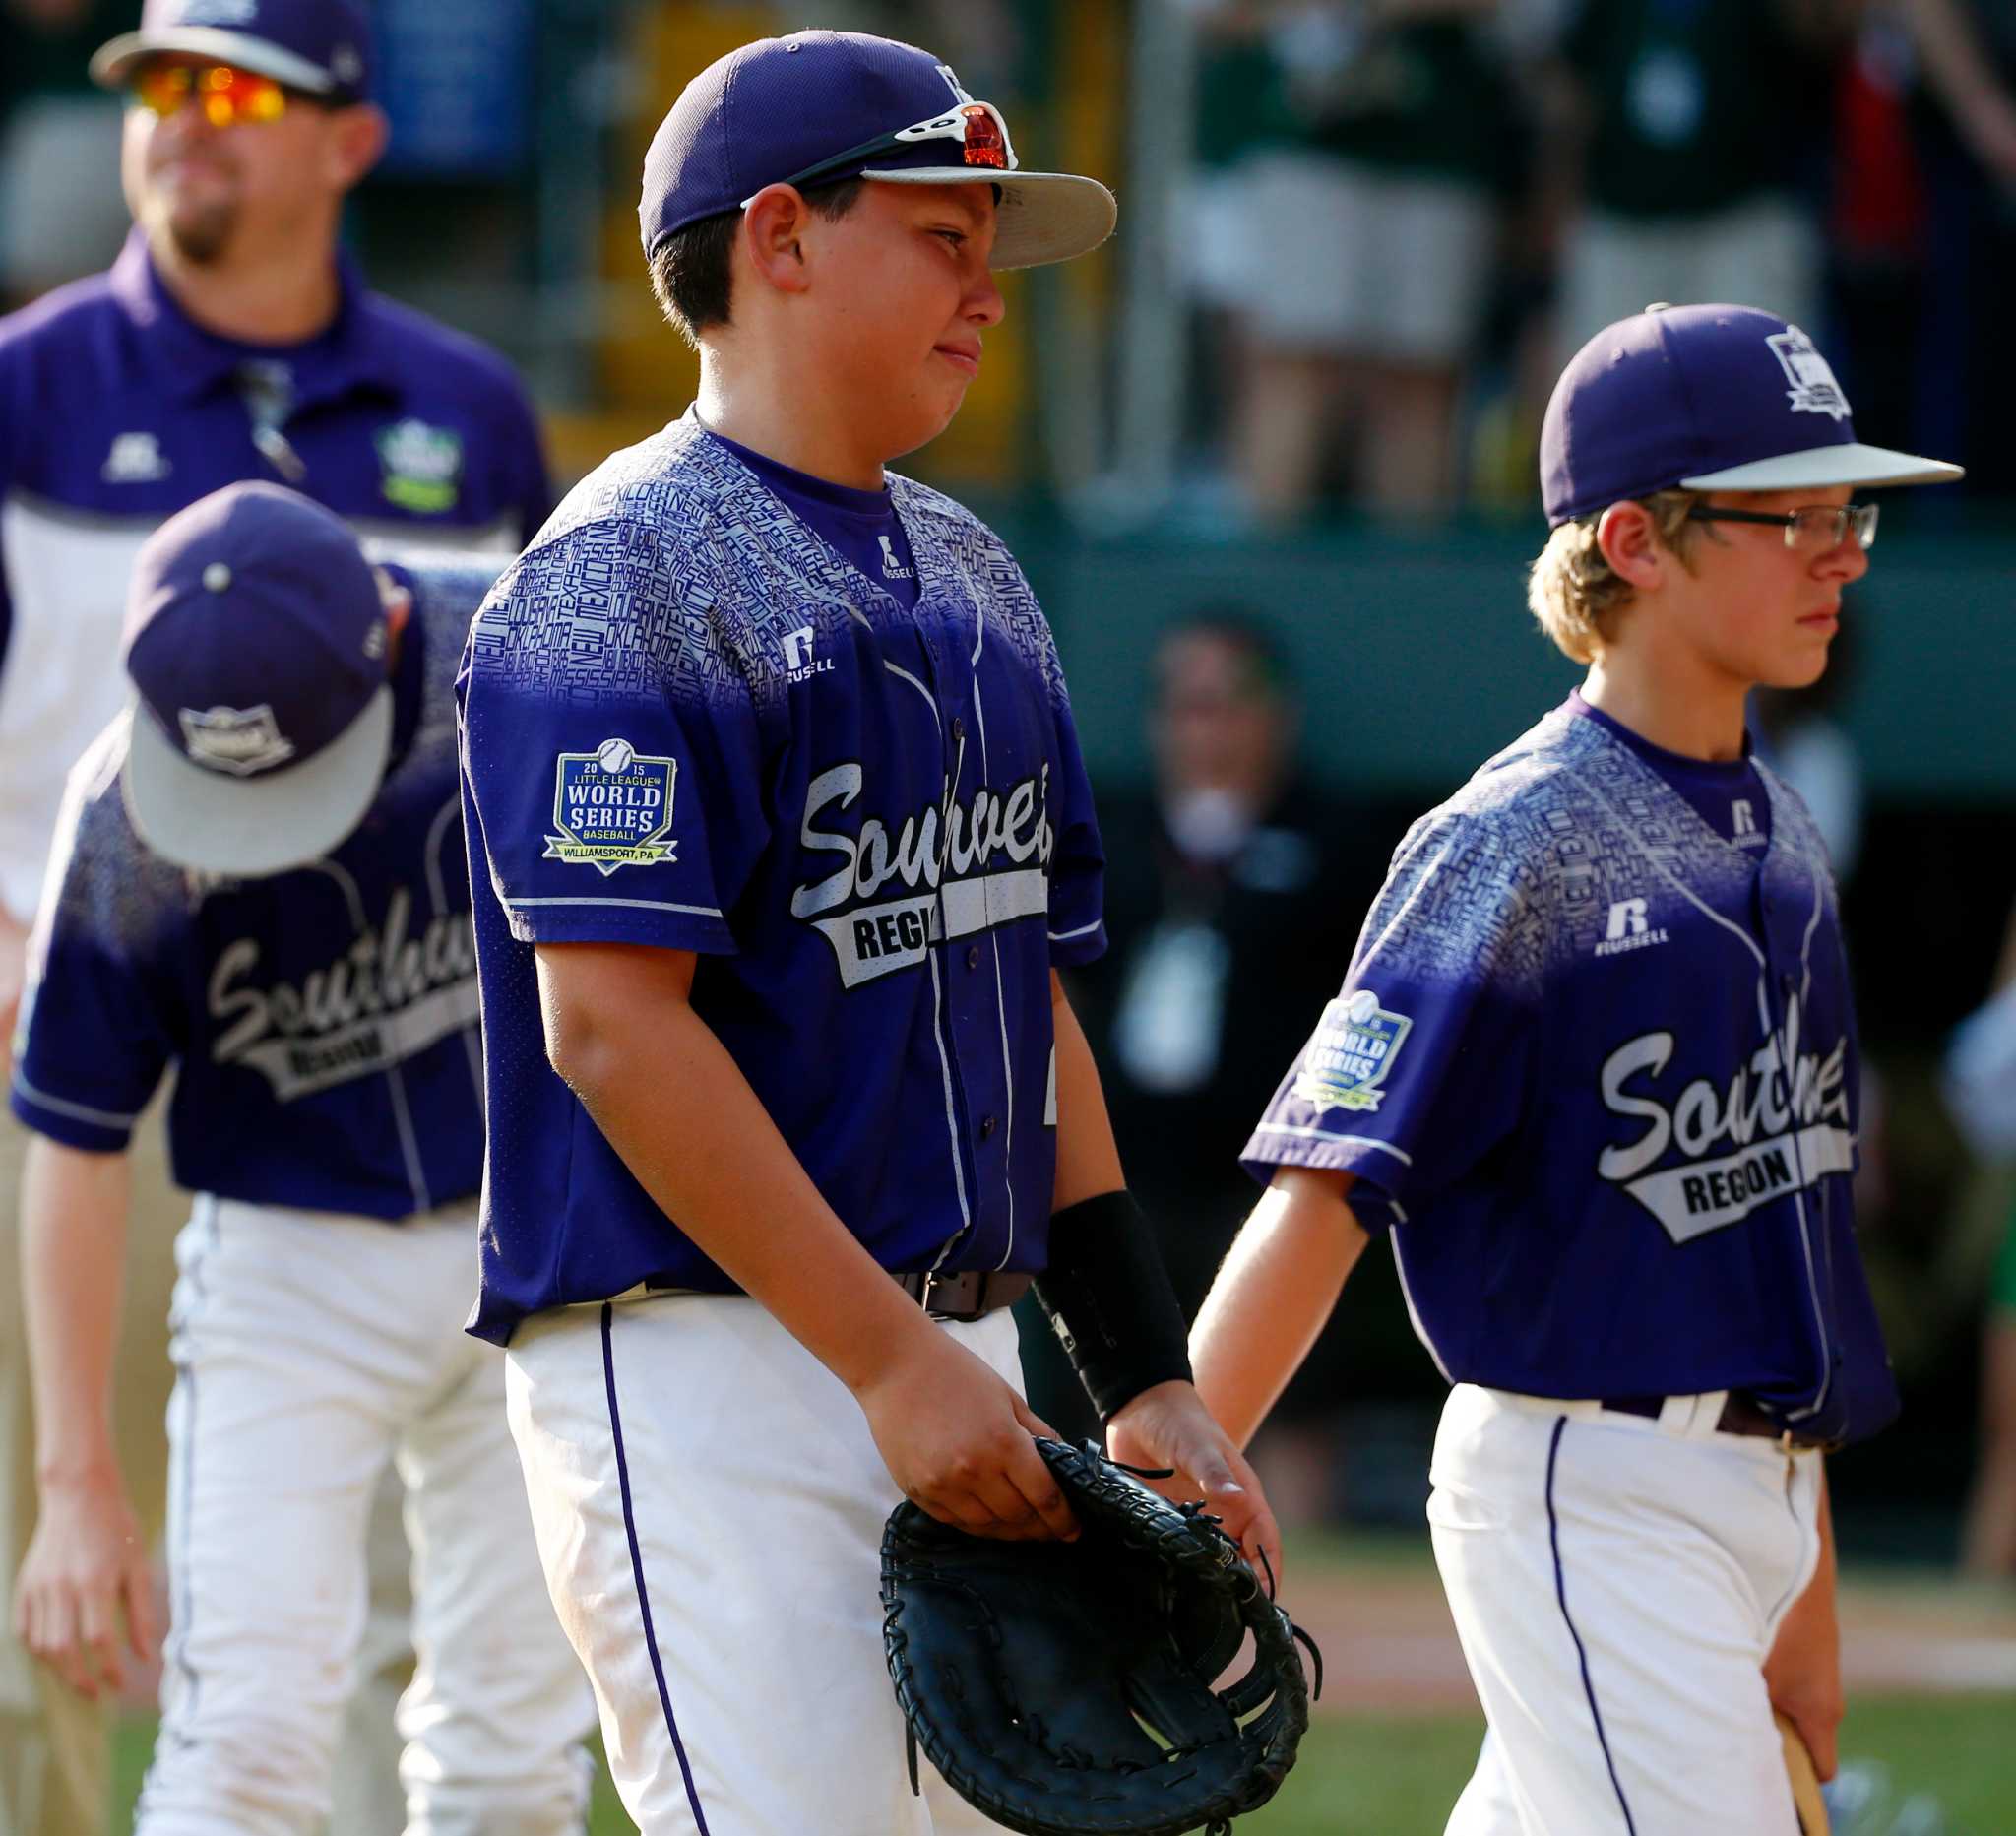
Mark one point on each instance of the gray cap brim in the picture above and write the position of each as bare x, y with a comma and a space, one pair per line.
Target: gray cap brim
1822, 466
1043, 216
112, 62
250, 827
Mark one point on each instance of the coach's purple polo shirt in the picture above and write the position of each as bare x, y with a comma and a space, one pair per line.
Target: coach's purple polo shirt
116, 409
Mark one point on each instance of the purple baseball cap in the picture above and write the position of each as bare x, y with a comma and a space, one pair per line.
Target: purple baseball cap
257, 642
322, 46
1708, 399
820, 107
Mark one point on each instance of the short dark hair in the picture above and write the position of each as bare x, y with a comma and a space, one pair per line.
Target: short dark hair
692, 274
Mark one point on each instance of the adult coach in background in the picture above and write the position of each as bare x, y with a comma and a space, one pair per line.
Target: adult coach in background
1594, 1066
230, 341
769, 757
260, 878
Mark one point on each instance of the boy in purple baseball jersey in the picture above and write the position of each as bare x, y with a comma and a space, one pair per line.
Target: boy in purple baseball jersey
260, 880
1594, 1069
770, 762
231, 340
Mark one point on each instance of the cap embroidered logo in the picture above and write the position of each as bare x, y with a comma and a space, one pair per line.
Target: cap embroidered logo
1814, 387
243, 741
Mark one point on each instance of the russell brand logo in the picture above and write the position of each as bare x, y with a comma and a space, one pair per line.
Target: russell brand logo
1628, 929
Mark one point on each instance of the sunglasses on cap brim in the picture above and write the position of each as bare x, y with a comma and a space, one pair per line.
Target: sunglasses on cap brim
224, 94
977, 128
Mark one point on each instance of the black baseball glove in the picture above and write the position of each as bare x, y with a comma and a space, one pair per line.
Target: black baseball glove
1068, 1689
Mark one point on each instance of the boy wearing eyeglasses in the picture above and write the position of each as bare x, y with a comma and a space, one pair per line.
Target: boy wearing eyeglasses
230, 341
770, 759
1592, 1069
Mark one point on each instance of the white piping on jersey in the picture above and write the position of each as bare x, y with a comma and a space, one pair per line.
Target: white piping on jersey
409, 1142
938, 1028
1323, 1134
1764, 1015
1065, 936
1799, 1194
77, 1111
951, 1111
645, 905
1420, 1332
979, 715
1806, 942
437, 890
896, 669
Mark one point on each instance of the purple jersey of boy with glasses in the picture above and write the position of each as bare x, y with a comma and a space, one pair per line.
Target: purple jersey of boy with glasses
1594, 1072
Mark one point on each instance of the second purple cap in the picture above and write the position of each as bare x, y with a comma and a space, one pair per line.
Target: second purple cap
1708, 399
257, 641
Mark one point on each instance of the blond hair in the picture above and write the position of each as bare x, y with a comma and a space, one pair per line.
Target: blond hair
1573, 591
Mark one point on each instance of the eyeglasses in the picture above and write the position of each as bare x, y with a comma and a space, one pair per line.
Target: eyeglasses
1818, 529
977, 127
224, 93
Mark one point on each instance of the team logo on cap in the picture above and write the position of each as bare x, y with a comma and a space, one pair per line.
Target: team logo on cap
241, 742
1355, 1043
422, 465
1814, 387
612, 808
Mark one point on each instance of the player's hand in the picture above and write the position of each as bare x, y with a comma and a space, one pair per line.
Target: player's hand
1169, 1425
1804, 1674
962, 1445
86, 1567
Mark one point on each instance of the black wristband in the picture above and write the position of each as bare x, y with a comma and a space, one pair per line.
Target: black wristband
1110, 1301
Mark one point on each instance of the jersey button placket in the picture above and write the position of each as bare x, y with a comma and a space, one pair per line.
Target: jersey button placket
987, 1126
972, 956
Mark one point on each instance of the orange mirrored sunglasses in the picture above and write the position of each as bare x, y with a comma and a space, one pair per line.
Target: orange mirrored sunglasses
224, 93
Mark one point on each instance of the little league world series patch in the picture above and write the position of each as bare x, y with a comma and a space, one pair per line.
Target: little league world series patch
1354, 1046
613, 807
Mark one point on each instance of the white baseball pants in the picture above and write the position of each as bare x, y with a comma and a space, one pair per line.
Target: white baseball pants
1616, 1583
309, 1346
709, 1506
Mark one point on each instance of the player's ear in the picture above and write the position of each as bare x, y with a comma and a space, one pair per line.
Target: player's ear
395, 603
357, 141
772, 232
1629, 540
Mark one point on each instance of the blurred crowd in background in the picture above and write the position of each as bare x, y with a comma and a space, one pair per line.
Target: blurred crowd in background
1357, 241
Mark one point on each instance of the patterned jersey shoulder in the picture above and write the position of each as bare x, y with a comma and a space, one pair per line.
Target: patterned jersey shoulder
104, 886
1597, 826
447, 589
1794, 828
992, 575
670, 570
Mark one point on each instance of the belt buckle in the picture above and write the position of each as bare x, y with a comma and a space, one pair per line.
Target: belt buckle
972, 1310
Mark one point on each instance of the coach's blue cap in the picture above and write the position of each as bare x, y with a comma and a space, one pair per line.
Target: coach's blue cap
322, 46
1709, 399
819, 106
257, 639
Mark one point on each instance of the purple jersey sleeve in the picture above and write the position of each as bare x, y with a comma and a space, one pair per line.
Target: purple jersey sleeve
99, 1021
613, 764
1421, 1065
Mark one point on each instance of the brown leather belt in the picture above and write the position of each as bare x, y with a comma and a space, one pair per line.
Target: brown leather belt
1739, 1415
966, 1294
